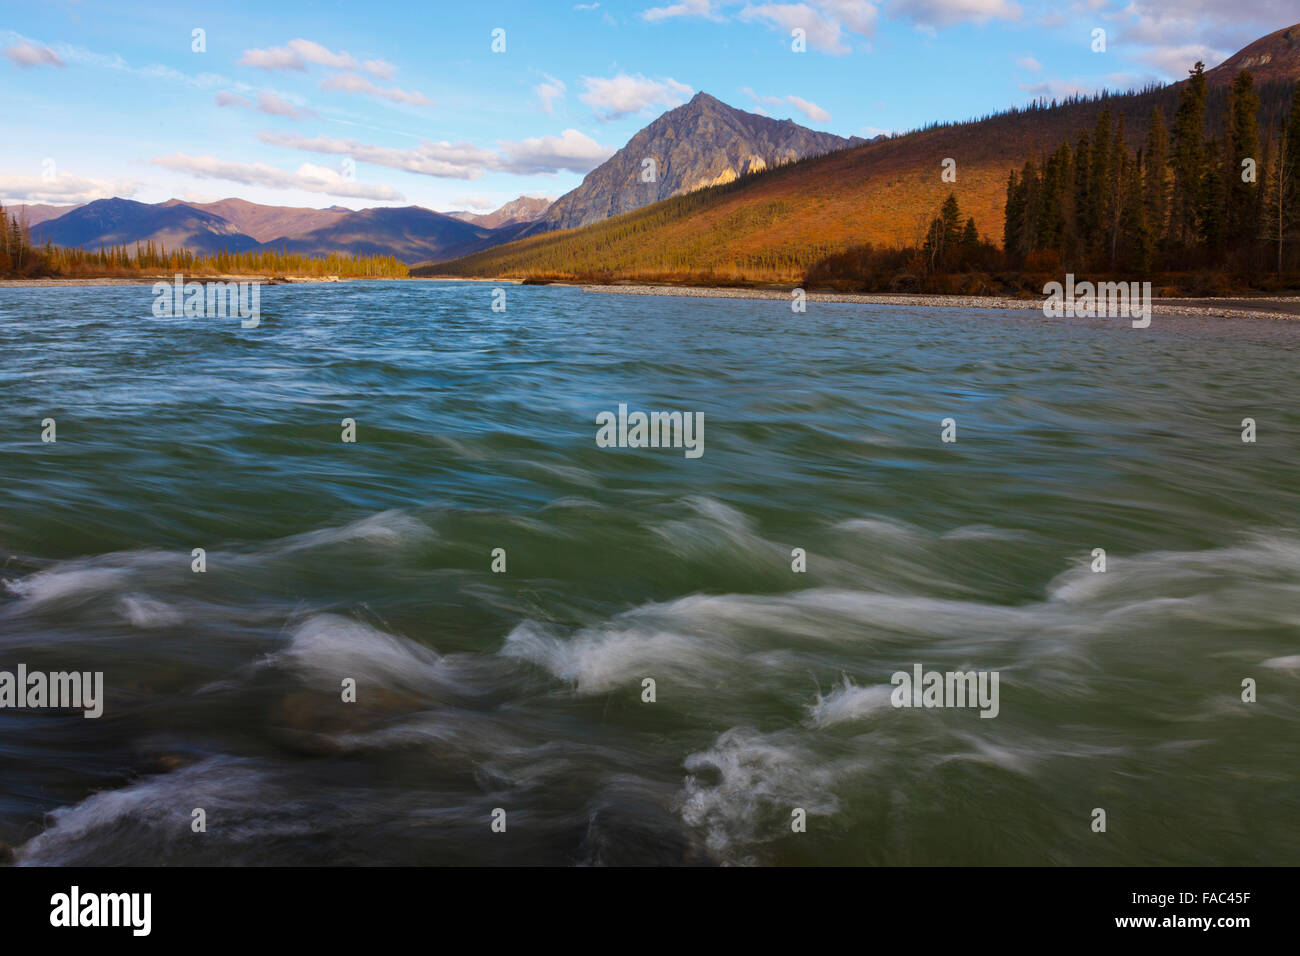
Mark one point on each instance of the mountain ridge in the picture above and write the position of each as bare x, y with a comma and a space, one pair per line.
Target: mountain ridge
411, 233
702, 143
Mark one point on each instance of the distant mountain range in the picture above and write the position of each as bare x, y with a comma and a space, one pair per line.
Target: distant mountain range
410, 233
702, 143
118, 222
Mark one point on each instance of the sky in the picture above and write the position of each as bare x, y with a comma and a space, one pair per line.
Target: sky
467, 105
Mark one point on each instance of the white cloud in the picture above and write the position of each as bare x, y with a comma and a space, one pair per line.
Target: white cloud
80, 56
687, 8
63, 188
855, 16
806, 107
354, 83
447, 160
1171, 35
275, 106
809, 109
1029, 63
299, 54
380, 68
315, 53
831, 25
1172, 23
571, 150
549, 92
296, 56
946, 13
1176, 61
820, 23
617, 96
28, 55
307, 177
267, 102
226, 98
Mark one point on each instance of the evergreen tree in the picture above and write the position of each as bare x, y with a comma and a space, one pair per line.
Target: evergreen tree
1135, 246
1052, 213
1188, 159
1212, 207
1095, 223
950, 214
1119, 171
1155, 185
1242, 198
1013, 219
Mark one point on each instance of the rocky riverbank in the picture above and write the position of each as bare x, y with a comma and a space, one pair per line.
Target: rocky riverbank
1276, 308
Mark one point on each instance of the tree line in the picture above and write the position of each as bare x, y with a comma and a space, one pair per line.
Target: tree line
1183, 200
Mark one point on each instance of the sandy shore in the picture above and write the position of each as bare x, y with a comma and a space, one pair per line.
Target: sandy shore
1273, 308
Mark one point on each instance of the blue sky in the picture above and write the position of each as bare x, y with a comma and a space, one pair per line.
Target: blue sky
393, 103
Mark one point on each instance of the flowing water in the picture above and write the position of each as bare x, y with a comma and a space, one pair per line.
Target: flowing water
522, 690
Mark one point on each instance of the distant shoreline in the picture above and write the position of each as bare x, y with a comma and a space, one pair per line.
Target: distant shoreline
1235, 307
57, 282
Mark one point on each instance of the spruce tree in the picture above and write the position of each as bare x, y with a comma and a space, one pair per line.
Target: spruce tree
1013, 214
1242, 198
1155, 167
1095, 222
1188, 159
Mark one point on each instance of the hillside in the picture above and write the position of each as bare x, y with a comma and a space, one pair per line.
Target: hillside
265, 223
411, 233
1269, 59
775, 225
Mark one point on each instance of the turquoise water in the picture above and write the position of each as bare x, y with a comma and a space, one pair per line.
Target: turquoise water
522, 690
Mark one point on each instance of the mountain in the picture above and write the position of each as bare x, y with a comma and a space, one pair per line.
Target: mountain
703, 143
265, 223
524, 209
411, 233
1270, 58
776, 225
111, 222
